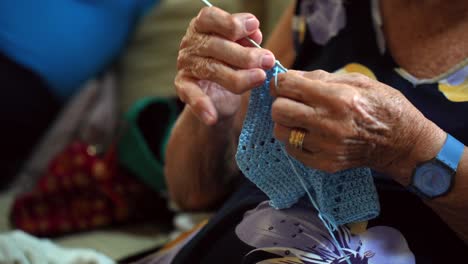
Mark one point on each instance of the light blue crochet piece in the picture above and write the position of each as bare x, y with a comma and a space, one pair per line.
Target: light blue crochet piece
344, 197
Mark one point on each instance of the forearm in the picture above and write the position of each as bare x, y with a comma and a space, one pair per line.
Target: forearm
200, 162
452, 207
200, 159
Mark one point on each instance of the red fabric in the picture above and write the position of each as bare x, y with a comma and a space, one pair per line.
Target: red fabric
83, 191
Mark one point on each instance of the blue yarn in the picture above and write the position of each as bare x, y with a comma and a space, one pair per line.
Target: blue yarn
326, 222
341, 198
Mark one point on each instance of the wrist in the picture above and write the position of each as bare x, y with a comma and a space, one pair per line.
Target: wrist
426, 145
218, 135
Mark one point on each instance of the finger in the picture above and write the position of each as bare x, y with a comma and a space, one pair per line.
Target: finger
274, 82
319, 160
317, 75
312, 142
292, 114
295, 86
351, 150
353, 78
235, 81
238, 56
283, 134
324, 161
289, 113
191, 93
257, 37
233, 27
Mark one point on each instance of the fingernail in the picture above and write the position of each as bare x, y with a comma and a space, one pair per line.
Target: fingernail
251, 24
268, 61
207, 117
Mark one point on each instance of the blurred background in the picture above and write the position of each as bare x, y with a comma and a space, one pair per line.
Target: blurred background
150, 60
93, 178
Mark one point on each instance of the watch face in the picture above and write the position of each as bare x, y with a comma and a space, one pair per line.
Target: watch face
433, 179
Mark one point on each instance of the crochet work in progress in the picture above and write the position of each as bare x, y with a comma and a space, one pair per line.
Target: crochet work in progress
341, 198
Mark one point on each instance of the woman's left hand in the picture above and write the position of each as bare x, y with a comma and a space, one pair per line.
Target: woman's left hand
350, 121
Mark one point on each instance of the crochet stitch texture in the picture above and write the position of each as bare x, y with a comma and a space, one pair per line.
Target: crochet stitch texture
343, 197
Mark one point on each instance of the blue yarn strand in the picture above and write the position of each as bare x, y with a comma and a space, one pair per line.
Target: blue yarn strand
326, 222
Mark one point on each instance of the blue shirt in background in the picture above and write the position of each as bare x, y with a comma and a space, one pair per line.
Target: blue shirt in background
67, 42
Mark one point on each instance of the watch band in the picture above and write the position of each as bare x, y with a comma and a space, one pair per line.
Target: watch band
451, 152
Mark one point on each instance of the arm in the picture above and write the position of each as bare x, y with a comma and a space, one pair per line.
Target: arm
453, 207
353, 121
200, 164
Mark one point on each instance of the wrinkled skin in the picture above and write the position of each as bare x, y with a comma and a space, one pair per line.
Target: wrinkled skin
216, 64
350, 120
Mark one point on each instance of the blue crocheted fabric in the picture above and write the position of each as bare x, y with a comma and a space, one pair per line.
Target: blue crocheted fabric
344, 197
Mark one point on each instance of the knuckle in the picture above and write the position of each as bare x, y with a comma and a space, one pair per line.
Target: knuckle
347, 101
236, 83
206, 69
275, 111
184, 41
301, 117
180, 89
359, 79
296, 89
204, 13
185, 59
277, 83
181, 92
319, 74
203, 43
283, 78
195, 24
180, 60
234, 28
192, 24
251, 58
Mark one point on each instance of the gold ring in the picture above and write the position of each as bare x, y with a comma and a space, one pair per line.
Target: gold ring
296, 138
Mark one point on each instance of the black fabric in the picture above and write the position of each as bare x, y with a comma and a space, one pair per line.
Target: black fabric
26, 110
217, 241
429, 238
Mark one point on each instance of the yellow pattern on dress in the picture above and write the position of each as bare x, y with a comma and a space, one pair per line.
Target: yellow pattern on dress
357, 68
455, 93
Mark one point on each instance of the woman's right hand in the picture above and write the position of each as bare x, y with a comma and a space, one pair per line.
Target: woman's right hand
216, 64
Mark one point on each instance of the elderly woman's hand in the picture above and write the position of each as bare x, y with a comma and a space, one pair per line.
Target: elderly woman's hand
216, 63
350, 120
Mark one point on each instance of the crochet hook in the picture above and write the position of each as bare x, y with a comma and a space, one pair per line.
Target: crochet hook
207, 3
249, 39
